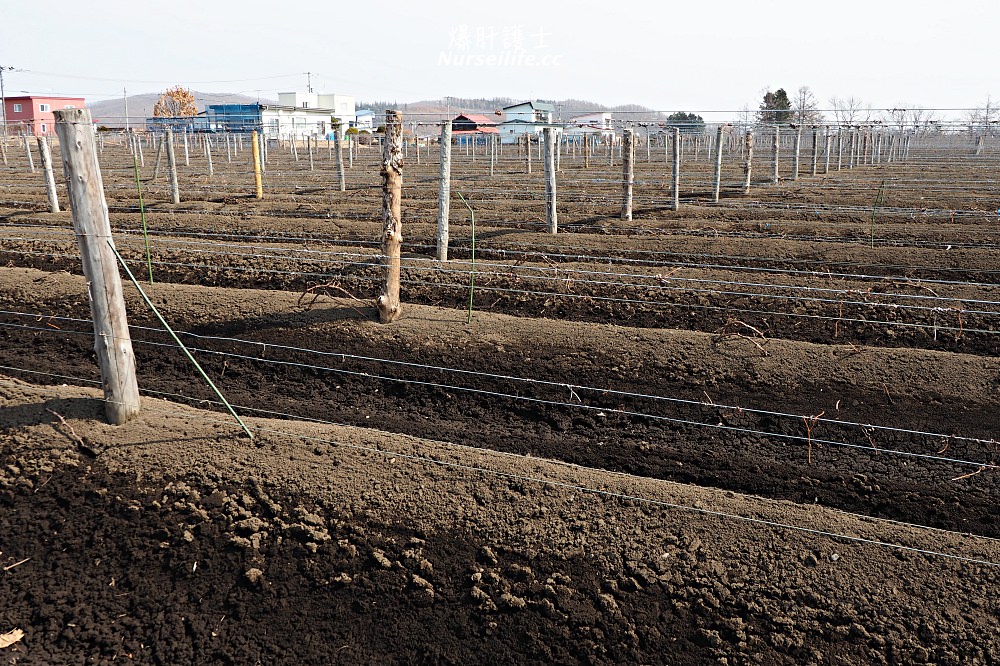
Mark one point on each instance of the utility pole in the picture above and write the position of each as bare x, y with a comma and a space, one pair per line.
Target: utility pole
3, 104
309, 82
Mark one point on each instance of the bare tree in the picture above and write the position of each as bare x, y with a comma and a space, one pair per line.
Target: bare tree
805, 110
850, 110
984, 119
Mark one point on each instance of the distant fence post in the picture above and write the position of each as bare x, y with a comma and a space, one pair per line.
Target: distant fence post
392, 224
255, 150
175, 191
796, 152
527, 151
112, 343
444, 192
717, 180
829, 147
156, 162
775, 154
187, 158
208, 156
748, 163
338, 138
675, 175
551, 218
586, 150
50, 181
309, 149
628, 171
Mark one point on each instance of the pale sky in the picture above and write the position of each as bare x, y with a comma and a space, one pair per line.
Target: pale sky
690, 56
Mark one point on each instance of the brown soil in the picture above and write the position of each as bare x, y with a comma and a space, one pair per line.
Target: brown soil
611, 463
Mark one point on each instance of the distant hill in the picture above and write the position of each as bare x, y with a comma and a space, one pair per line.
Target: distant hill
111, 112
434, 111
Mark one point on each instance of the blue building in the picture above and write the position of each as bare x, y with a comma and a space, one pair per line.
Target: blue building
235, 117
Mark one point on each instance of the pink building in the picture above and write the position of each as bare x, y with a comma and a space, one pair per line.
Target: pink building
33, 113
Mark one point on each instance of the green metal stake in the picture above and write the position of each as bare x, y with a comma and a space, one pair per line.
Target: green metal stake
142, 214
178, 340
472, 277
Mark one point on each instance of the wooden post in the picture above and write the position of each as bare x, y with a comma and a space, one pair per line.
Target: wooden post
338, 138
748, 162
717, 180
175, 192
187, 158
853, 149
50, 181
796, 152
829, 147
350, 152
255, 148
775, 153
444, 192
392, 224
156, 162
112, 343
675, 175
208, 156
27, 151
138, 148
840, 148
551, 218
527, 151
628, 173
586, 151
229, 149
262, 151
815, 152
309, 147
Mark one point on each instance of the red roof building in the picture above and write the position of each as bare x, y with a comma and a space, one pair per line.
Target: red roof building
33, 114
473, 123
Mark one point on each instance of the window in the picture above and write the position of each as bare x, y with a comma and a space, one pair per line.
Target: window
45, 128
43, 107
17, 108
305, 105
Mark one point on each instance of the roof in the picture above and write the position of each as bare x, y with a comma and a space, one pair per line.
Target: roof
10, 97
477, 118
479, 130
364, 112
537, 106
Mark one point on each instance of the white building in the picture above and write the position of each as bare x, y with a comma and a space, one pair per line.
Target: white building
525, 118
365, 120
591, 124
298, 115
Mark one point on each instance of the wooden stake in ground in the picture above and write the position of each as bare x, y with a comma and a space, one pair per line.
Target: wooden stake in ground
112, 343
527, 152
748, 163
628, 172
551, 218
187, 157
156, 162
796, 154
27, 151
444, 192
50, 181
675, 175
338, 137
717, 180
255, 150
208, 156
815, 152
392, 223
309, 148
175, 190
775, 151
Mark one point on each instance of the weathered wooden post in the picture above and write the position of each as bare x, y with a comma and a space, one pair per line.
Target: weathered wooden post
796, 151
628, 172
829, 148
527, 151
255, 149
309, 148
50, 181
389, 309
208, 156
775, 154
27, 152
187, 157
717, 180
138, 149
229, 149
444, 192
675, 175
338, 138
852, 149
815, 152
586, 151
112, 343
262, 151
350, 152
551, 216
159, 156
175, 192
748, 162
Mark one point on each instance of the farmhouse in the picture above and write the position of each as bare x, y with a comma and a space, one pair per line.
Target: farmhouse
525, 118
296, 115
591, 124
33, 114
